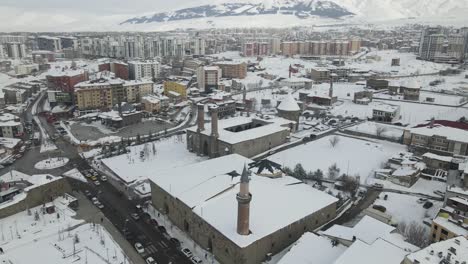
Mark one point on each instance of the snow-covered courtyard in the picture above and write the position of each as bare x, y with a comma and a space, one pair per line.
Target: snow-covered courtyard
51, 163
320, 154
150, 158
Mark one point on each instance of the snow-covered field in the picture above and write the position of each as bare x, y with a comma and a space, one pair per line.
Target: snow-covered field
151, 158
58, 238
51, 163
411, 113
404, 208
353, 156
384, 130
422, 186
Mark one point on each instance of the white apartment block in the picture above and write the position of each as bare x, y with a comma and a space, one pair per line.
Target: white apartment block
208, 78
15, 50
143, 70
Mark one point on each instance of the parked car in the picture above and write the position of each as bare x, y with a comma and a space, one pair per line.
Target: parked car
87, 193
97, 183
162, 229
100, 205
135, 216
427, 205
103, 178
175, 241
93, 178
150, 260
379, 208
377, 186
421, 200
439, 193
196, 260
139, 248
154, 222
187, 252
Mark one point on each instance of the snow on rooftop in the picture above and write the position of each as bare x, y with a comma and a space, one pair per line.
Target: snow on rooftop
380, 251
288, 104
368, 230
302, 253
14, 175
451, 227
167, 154
450, 133
430, 254
212, 195
430, 155
412, 84
9, 142
272, 126
386, 107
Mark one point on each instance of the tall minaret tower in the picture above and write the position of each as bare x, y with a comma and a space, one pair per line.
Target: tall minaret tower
330, 91
243, 204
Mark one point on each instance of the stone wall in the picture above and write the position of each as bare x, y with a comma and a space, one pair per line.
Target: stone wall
37, 196
226, 251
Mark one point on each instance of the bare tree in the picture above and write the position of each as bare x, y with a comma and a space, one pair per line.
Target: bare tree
415, 233
333, 172
334, 141
350, 184
380, 130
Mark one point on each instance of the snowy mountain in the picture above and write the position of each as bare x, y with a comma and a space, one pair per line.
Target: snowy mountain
298, 8
370, 10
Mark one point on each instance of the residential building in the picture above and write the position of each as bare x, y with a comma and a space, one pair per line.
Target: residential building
363, 97
49, 43
99, 94
451, 221
64, 80
437, 138
2, 52
151, 103
15, 50
67, 42
452, 250
411, 90
319, 74
120, 69
230, 69
143, 70
136, 89
437, 46
208, 78
386, 113
26, 69
254, 48
239, 235
43, 56
176, 87
12, 38
377, 84
10, 126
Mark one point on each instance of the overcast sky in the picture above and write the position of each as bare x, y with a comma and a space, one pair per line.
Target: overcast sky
99, 6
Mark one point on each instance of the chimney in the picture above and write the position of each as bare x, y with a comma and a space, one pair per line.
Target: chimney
214, 121
431, 124
201, 117
243, 204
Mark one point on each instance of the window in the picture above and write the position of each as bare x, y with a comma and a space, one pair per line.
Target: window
436, 227
445, 232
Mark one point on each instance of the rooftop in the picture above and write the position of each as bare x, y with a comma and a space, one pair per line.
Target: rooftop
433, 254
380, 251
450, 133
288, 104
271, 126
386, 108
210, 192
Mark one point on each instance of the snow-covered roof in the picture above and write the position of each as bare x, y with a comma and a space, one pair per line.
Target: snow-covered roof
301, 252
211, 193
60, 72
450, 133
404, 171
386, 108
430, 155
380, 251
430, 254
367, 230
14, 175
288, 104
271, 126
151, 98
9, 142
451, 227
412, 84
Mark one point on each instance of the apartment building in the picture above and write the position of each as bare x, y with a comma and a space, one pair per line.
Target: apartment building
143, 69
176, 87
15, 50
438, 138
49, 43
436, 45
208, 78
120, 69
65, 80
136, 89
230, 69
386, 113
451, 221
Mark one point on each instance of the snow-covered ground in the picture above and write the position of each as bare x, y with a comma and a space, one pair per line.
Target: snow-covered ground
427, 97
58, 238
151, 158
51, 163
404, 208
75, 174
321, 155
422, 186
374, 129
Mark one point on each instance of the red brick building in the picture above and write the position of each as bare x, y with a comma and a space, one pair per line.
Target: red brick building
118, 68
65, 81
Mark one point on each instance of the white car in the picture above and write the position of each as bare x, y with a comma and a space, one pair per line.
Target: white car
187, 252
103, 178
151, 260
196, 260
139, 248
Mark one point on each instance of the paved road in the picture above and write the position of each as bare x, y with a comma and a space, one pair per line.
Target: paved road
117, 208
